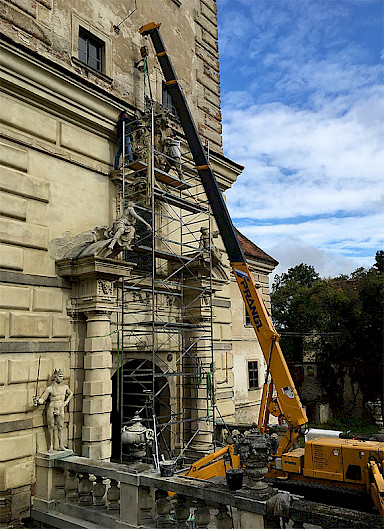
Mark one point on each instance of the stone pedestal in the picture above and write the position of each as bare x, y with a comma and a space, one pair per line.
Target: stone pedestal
136, 504
50, 481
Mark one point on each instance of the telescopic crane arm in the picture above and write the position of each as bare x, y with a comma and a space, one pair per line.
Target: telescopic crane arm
287, 401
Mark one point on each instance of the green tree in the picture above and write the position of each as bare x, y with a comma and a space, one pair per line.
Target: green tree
379, 262
292, 313
345, 315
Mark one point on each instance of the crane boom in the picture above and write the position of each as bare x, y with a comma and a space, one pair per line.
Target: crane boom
287, 400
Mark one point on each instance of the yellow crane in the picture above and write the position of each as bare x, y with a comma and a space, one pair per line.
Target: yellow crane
347, 463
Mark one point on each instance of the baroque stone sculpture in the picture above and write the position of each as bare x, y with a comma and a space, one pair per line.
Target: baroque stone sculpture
174, 156
57, 395
102, 241
123, 230
207, 245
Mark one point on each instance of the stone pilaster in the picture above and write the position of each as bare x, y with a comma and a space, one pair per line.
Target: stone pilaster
97, 387
94, 299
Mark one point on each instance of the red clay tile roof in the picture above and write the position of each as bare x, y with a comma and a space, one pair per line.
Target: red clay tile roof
250, 248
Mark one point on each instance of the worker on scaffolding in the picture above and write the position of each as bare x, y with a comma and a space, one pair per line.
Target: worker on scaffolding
123, 130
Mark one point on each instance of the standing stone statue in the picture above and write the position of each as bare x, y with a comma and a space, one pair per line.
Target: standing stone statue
174, 156
58, 395
207, 245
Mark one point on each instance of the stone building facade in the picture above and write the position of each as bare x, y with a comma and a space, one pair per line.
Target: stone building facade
66, 76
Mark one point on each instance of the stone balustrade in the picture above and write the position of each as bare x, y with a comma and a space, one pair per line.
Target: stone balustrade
76, 492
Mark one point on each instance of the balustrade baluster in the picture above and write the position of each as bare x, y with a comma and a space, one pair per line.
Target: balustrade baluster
182, 511
98, 491
202, 515
113, 496
146, 501
223, 518
84, 489
71, 485
163, 508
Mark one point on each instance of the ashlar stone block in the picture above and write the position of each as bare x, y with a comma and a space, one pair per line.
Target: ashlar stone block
14, 157
13, 297
103, 387
12, 206
16, 446
26, 370
98, 360
226, 407
11, 257
94, 433
25, 117
101, 404
3, 322
61, 327
97, 420
97, 375
100, 450
45, 300
17, 473
78, 140
102, 343
18, 182
16, 400
3, 373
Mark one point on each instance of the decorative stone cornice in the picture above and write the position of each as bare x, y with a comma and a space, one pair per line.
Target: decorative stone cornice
93, 282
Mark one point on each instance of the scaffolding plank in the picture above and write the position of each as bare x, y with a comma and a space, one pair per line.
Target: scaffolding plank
166, 178
161, 254
178, 202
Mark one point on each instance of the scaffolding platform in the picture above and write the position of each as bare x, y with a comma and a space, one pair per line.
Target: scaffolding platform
166, 178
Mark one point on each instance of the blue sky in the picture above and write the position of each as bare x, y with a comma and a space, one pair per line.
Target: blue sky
302, 101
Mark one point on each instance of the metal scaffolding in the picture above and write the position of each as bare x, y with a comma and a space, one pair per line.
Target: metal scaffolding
164, 327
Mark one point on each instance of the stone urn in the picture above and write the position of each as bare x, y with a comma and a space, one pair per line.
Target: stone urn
137, 437
255, 451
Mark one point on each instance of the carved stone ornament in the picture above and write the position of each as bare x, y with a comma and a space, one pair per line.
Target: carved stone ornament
102, 241
104, 288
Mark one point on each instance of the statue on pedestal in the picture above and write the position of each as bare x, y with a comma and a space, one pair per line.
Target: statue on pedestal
58, 395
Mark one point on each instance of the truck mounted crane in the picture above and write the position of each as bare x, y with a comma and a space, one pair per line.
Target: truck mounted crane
348, 463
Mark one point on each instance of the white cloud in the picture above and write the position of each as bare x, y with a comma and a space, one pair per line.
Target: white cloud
292, 251
311, 176
306, 118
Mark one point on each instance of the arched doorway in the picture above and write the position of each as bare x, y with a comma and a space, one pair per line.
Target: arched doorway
133, 387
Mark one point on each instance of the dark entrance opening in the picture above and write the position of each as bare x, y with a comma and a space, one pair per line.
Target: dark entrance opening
133, 392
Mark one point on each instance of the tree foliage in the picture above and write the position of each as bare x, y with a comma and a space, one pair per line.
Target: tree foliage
339, 321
